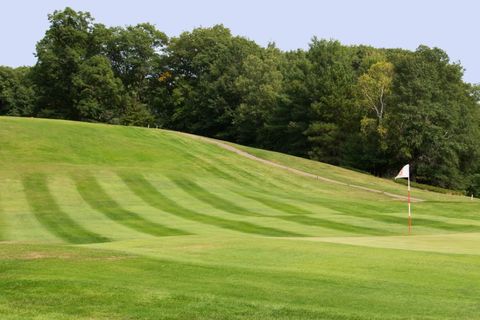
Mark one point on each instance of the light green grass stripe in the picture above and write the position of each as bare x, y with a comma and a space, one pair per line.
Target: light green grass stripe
151, 195
93, 193
274, 204
299, 216
208, 197
49, 214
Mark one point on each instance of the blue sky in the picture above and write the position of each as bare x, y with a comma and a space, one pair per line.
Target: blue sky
450, 25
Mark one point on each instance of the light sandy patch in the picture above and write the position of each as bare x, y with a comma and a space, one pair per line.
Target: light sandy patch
38, 255
33, 255
464, 243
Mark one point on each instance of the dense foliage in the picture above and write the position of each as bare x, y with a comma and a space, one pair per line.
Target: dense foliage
354, 106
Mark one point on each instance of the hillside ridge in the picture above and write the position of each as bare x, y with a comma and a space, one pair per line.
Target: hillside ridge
243, 153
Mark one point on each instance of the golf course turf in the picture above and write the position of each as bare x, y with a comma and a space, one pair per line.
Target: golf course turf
113, 222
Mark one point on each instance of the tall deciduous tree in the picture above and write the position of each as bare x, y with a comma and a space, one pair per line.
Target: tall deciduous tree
133, 52
434, 124
331, 85
375, 86
285, 127
260, 87
99, 95
59, 56
205, 64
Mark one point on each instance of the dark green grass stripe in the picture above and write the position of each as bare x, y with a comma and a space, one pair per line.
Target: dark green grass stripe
454, 209
208, 197
279, 181
261, 186
254, 182
377, 212
357, 210
246, 177
299, 217
275, 204
345, 204
151, 195
367, 211
215, 201
93, 193
49, 214
328, 224
216, 172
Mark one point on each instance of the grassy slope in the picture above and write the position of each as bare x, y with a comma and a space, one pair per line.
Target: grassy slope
343, 175
109, 222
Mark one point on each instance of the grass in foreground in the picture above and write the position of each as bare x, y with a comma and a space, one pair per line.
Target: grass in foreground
240, 279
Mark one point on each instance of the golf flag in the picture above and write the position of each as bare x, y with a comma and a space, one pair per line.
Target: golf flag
404, 173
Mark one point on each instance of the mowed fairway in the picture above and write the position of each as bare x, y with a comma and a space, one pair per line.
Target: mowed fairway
111, 222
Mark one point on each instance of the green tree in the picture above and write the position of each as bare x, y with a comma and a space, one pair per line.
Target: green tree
205, 65
136, 113
260, 87
98, 93
434, 124
375, 86
133, 52
285, 127
59, 55
373, 89
331, 85
17, 95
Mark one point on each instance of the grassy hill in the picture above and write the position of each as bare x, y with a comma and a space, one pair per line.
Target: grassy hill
110, 222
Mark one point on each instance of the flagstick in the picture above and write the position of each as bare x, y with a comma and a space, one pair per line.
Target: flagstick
405, 173
409, 212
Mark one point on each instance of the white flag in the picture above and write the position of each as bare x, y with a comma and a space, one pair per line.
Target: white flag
404, 173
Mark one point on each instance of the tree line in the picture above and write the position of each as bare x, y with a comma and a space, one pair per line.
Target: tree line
355, 106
